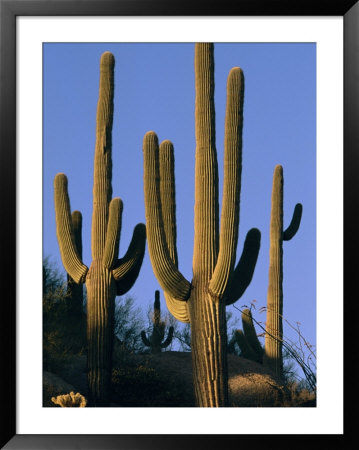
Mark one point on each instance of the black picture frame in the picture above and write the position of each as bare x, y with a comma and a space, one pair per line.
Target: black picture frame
9, 10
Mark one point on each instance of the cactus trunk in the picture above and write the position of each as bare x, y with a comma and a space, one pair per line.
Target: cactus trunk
274, 324
209, 349
101, 289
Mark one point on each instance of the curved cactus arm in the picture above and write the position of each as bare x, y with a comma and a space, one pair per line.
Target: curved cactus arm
168, 197
177, 308
231, 184
246, 350
76, 220
244, 270
69, 255
167, 342
144, 339
127, 268
294, 224
168, 204
251, 335
169, 277
110, 254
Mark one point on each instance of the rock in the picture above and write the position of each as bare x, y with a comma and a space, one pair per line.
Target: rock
252, 385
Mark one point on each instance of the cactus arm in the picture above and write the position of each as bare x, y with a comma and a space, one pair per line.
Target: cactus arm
294, 224
244, 270
168, 197
169, 277
102, 189
168, 204
76, 220
69, 255
231, 184
167, 342
246, 350
206, 217
144, 339
251, 335
113, 233
74, 291
127, 268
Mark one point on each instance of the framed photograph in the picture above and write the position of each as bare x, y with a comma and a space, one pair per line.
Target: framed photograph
297, 123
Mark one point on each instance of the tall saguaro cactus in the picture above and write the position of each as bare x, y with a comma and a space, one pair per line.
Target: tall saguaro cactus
155, 341
216, 282
274, 325
107, 276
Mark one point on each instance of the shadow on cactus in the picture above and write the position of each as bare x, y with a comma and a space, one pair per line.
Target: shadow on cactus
155, 341
107, 276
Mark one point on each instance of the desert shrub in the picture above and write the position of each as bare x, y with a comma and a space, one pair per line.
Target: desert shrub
128, 324
143, 386
64, 335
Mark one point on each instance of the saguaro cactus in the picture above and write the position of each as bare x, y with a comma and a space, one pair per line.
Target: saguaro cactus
158, 333
107, 276
274, 324
215, 283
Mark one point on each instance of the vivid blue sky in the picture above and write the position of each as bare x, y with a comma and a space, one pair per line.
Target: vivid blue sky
154, 90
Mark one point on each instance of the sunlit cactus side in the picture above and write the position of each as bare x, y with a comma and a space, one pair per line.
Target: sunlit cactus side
247, 338
216, 281
107, 276
155, 341
273, 357
70, 400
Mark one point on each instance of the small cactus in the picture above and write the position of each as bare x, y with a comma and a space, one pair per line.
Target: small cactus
158, 333
247, 339
70, 400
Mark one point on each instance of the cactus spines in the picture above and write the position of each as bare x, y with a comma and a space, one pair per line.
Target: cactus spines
202, 301
155, 341
107, 275
274, 325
